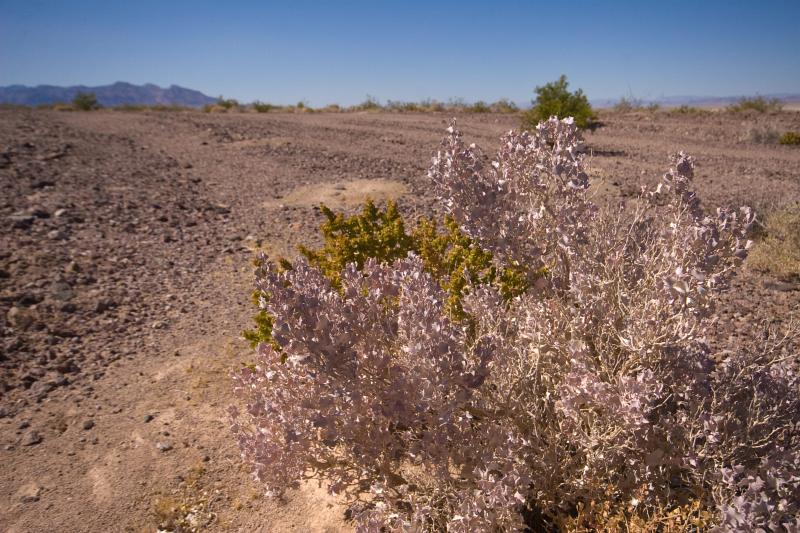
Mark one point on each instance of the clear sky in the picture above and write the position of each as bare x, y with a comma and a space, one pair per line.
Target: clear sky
338, 52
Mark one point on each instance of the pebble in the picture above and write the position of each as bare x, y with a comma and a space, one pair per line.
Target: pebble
32, 438
57, 235
88, 424
164, 446
148, 418
30, 493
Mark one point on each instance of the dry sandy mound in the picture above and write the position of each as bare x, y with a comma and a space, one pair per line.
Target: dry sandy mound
342, 194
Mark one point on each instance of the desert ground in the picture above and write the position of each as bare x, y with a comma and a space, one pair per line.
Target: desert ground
126, 252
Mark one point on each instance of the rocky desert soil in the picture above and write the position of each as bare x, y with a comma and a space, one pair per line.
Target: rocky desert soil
126, 242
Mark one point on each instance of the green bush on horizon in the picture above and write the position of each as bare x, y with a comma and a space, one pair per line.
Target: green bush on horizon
758, 104
554, 99
85, 101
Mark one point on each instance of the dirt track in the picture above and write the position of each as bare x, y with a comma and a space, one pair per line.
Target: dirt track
125, 271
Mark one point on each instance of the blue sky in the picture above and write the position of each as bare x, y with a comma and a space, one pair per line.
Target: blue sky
338, 52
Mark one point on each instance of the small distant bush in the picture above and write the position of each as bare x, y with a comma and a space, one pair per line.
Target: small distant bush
227, 103
686, 110
370, 103
262, 107
402, 107
222, 105
478, 107
760, 135
777, 251
85, 101
433, 106
626, 104
790, 138
505, 106
594, 398
555, 100
757, 104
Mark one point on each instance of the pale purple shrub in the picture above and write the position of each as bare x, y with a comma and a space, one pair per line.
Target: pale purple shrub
596, 385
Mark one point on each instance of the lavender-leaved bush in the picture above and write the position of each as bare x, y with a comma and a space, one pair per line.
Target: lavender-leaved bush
590, 400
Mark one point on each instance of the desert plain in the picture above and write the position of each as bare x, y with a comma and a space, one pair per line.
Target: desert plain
126, 248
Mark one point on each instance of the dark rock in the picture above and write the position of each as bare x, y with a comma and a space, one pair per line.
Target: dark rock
103, 305
220, 209
28, 298
38, 212
61, 291
88, 424
41, 184
20, 221
68, 308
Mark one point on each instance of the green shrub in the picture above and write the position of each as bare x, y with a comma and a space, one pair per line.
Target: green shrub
790, 138
227, 103
451, 257
373, 233
85, 101
262, 107
554, 99
478, 107
758, 104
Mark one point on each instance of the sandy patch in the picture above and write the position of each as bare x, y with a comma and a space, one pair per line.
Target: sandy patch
341, 194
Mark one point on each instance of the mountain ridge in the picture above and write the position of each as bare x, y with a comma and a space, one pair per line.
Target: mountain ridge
698, 101
115, 94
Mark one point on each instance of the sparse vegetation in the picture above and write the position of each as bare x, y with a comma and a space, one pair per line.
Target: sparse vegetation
757, 104
151, 108
760, 135
262, 107
370, 103
222, 105
505, 106
790, 138
478, 107
687, 110
85, 102
777, 251
555, 100
627, 104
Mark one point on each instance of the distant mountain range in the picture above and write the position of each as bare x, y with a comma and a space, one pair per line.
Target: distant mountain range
697, 101
119, 93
